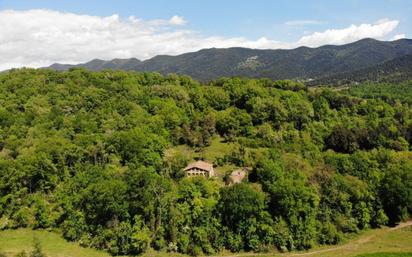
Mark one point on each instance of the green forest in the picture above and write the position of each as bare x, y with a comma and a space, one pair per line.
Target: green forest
88, 154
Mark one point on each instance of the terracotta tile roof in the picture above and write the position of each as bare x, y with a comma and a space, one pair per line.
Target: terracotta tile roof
200, 165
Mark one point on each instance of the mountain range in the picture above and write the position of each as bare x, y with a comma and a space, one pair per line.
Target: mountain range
325, 63
392, 71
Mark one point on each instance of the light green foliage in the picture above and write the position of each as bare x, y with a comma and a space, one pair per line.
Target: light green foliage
243, 212
387, 92
140, 237
291, 198
98, 156
195, 225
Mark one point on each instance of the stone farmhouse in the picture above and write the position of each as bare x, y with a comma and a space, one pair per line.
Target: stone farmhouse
199, 168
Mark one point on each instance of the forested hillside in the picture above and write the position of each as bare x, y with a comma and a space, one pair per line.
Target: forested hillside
394, 71
85, 153
388, 92
302, 63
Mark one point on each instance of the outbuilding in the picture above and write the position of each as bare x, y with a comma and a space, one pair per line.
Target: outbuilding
237, 176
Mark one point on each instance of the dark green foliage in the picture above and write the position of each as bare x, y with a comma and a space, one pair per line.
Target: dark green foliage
87, 153
393, 71
354, 60
291, 197
243, 211
195, 225
396, 190
342, 140
328, 234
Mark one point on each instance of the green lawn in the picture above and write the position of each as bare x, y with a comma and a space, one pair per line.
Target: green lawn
53, 245
373, 243
217, 149
386, 255
14, 241
376, 242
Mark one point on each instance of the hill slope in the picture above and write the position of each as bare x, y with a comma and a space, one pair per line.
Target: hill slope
299, 63
100, 158
396, 70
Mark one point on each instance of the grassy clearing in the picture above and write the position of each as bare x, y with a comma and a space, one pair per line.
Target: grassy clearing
378, 241
383, 242
217, 149
386, 255
15, 241
210, 153
53, 245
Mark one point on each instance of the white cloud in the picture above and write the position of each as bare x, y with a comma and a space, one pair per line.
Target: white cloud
177, 20
377, 30
303, 22
398, 36
38, 38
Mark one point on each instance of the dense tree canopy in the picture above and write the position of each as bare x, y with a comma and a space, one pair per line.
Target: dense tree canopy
85, 152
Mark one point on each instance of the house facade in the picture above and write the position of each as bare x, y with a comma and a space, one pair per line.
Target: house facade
199, 168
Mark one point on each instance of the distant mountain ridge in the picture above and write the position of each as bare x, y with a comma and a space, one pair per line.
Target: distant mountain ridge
301, 63
392, 71
97, 64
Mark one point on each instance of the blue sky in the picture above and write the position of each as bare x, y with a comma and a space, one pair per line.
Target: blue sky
251, 19
77, 30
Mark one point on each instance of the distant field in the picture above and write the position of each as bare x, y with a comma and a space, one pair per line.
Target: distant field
386, 255
385, 242
217, 149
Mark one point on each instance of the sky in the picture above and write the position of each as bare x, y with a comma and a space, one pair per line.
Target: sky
37, 33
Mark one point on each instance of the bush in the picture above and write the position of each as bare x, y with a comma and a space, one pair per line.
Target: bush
328, 234
196, 251
234, 242
140, 240
37, 251
282, 238
121, 239
41, 214
172, 247
74, 226
21, 254
183, 242
21, 217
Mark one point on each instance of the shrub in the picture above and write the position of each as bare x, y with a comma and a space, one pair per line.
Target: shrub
21, 217
234, 242
37, 251
328, 234
140, 240
21, 254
